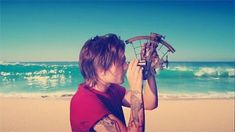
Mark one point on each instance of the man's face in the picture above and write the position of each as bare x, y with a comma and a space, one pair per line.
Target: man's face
116, 72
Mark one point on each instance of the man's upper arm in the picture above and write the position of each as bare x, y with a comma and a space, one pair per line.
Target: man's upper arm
110, 123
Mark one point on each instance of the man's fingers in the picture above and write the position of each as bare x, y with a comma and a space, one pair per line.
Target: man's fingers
131, 64
139, 76
134, 71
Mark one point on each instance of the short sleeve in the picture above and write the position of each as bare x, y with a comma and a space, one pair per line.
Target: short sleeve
86, 112
122, 92
94, 111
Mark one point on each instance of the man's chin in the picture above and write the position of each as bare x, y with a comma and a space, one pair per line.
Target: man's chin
120, 82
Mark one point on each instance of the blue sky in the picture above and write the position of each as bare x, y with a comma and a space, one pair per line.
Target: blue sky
56, 30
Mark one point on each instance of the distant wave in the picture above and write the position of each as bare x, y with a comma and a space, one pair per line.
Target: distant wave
53, 75
41, 76
26, 70
8, 63
198, 72
215, 72
31, 69
48, 79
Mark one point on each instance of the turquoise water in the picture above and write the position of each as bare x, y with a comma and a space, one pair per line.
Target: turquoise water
180, 79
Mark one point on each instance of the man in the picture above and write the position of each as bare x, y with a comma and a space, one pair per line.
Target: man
97, 105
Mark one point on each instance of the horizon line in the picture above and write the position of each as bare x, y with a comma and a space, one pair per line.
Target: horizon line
31, 61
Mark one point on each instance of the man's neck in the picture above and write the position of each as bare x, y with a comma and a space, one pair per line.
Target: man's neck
102, 87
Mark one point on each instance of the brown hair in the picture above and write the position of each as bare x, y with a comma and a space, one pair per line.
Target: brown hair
100, 52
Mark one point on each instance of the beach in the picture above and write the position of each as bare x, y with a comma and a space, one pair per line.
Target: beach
41, 51
51, 114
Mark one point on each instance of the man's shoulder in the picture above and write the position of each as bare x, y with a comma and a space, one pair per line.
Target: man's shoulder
84, 95
86, 109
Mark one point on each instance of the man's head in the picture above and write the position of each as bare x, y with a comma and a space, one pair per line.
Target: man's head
99, 55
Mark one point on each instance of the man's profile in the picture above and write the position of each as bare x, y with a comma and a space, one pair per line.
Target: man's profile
97, 104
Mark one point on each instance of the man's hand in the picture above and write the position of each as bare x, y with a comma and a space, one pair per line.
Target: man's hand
134, 75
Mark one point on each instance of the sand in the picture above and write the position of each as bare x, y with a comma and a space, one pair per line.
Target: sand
52, 115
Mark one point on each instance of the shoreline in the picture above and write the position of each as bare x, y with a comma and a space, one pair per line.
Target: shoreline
52, 114
164, 96
67, 98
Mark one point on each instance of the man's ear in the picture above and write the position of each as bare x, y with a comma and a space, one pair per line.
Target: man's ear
100, 72
103, 73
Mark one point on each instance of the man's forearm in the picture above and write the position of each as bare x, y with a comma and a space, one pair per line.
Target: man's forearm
151, 93
136, 122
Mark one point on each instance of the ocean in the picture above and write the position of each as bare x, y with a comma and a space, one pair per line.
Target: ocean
180, 80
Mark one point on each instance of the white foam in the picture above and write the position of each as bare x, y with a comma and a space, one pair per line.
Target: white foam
5, 73
53, 82
62, 79
40, 72
47, 81
61, 71
28, 73
18, 74
41, 80
215, 72
53, 71
207, 71
231, 72
181, 68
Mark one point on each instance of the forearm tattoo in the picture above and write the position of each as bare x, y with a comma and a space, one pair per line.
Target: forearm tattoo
137, 108
109, 125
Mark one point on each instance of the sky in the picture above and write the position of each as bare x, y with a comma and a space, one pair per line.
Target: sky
44, 30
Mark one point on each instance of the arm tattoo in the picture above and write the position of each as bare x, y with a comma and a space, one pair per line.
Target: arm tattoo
137, 108
109, 125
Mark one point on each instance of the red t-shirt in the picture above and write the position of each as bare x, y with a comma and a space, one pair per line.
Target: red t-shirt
88, 106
